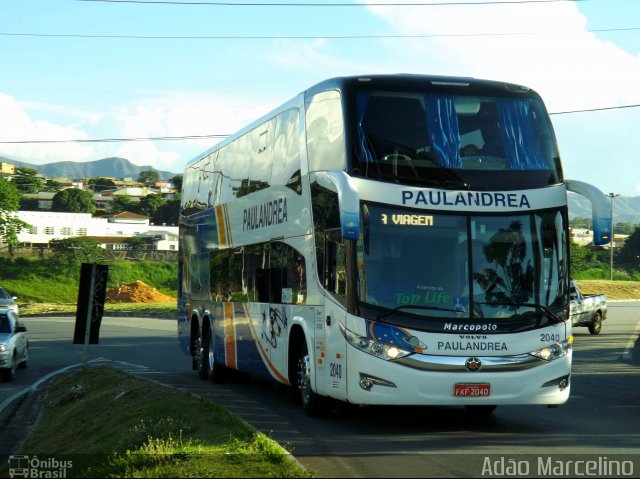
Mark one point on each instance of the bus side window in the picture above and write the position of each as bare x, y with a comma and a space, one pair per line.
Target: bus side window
287, 276
335, 278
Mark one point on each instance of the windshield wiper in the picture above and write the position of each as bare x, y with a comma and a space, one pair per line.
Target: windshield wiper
414, 306
550, 314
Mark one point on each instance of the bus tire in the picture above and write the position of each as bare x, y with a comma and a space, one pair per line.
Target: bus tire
216, 372
596, 324
313, 404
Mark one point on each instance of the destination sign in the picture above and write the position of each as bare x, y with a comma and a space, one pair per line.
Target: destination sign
406, 220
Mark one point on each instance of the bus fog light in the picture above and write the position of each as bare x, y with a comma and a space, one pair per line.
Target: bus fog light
562, 383
366, 384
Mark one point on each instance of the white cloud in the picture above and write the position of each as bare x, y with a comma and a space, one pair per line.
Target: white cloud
171, 115
17, 125
544, 46
569, 66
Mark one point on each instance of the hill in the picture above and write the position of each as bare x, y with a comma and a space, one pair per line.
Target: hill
626, 208
116, 167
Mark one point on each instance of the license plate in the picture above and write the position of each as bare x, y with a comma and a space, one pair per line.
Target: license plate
472, 390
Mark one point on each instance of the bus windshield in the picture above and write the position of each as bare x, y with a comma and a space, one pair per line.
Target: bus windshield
473, 267
454, 140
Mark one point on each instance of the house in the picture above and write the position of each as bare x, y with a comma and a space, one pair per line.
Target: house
109, 230
7, 168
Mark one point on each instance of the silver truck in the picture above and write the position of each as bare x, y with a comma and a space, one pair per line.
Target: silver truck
587, 310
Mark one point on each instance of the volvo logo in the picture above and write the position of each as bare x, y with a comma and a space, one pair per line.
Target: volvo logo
473, 364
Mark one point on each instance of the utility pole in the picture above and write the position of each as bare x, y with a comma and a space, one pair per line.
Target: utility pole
612, 196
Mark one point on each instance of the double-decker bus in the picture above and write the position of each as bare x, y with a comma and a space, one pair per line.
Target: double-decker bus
389, 239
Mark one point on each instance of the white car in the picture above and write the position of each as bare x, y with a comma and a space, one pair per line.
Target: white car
14, 344
7, 300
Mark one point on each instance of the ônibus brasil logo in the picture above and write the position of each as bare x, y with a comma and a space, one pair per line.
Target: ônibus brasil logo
34, 467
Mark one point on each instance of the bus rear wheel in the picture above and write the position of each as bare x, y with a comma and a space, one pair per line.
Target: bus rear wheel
313, 404
215, 371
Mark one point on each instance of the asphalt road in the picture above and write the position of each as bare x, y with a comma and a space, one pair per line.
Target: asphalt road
601, 421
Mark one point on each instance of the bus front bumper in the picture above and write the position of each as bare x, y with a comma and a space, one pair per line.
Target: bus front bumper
447, 381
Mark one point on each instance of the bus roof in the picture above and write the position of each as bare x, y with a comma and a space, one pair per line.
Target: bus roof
411, 80
384, 81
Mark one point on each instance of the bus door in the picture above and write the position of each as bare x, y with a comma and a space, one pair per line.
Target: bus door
332, 365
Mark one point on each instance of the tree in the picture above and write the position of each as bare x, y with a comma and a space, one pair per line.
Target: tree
150, 204
136, 242
629, 254
53, 185
10, 224
101, 184
511, 282
27, 180
121, 203
148, 176
168, 213
73, 200
177, 182
71, 252
580, 222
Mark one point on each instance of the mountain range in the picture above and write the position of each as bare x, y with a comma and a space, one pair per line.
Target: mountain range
116, 167
626, 208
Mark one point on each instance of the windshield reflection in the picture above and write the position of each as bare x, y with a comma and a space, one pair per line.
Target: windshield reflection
462, 267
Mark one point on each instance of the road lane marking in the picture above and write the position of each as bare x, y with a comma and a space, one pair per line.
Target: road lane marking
35, 385
627, 355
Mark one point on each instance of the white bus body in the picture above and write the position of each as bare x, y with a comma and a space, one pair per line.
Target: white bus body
357, 251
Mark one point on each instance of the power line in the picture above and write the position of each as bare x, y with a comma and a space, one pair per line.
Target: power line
116, 140
328, 4
302, 37
595, 109
221, 136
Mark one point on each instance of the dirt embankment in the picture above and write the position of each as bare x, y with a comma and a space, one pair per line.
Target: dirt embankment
612, 289
137, 292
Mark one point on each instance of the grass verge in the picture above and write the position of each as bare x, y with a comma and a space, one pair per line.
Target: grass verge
106, 423
614, 290
148, 309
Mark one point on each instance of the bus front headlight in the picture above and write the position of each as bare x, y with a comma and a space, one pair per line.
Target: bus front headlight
381, 350
554, 351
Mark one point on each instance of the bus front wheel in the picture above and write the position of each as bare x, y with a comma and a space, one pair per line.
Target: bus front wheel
313, 404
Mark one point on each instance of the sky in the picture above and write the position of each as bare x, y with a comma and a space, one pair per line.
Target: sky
122, 69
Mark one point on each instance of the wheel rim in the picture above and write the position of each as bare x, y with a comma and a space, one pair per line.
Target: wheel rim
197, 352
210, 353
304, 378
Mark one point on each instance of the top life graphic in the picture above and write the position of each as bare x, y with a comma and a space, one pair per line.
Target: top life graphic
266, 214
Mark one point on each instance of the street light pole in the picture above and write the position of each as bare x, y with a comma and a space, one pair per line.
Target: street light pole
612, 196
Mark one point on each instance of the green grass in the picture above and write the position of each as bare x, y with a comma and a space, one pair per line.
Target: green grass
45, 281
147, 309
111, 424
